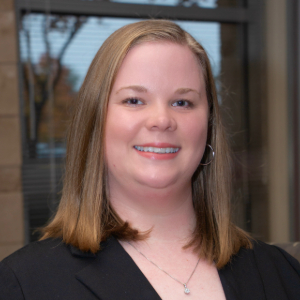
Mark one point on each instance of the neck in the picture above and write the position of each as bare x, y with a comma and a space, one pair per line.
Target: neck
167, 212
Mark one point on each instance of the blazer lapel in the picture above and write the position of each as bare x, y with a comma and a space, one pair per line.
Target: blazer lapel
112, 274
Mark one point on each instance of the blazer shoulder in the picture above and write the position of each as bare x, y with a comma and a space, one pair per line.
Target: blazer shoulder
263, 272
17, 267
35, 251
265, 253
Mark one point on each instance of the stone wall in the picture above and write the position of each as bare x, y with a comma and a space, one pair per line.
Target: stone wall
11, 200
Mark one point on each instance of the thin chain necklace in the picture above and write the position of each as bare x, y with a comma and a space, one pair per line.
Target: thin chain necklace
186, 289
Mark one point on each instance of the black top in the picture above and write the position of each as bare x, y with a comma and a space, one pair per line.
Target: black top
52, 270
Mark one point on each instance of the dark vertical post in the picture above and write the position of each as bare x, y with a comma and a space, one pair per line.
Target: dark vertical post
293, 39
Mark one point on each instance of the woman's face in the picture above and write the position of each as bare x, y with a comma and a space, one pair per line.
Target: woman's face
157, 118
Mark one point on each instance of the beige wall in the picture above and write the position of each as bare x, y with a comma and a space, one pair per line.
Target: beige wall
277, 97
11, 201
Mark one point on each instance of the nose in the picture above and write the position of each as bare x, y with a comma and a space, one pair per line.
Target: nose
161, 119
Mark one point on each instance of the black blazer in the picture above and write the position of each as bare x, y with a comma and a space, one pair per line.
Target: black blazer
52, 270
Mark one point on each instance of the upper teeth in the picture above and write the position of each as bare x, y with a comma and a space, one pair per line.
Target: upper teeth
156, 150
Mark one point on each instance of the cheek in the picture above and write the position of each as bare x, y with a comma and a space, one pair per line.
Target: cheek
120, 132
195, 133
195, 129
115, 139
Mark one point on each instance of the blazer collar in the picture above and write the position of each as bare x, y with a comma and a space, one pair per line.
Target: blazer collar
113, 275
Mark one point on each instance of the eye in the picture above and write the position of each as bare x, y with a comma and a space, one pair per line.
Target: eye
183, 103
133, 102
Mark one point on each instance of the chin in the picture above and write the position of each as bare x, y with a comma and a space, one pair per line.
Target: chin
158, 182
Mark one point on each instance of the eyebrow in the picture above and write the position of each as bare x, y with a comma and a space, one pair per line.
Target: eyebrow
137, 88
142, 89
182, 91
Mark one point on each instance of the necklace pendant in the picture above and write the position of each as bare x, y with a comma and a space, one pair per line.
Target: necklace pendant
186, 289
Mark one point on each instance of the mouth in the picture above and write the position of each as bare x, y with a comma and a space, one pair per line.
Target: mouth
158, 150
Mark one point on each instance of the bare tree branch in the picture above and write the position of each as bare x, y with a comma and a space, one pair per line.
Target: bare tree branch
79, 22
41, 81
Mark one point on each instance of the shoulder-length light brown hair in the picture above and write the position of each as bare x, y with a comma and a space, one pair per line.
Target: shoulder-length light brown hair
85, 217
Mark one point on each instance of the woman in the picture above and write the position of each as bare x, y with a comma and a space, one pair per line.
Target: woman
145, 207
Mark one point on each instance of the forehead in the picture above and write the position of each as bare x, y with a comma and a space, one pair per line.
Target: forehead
151, 49
160, 62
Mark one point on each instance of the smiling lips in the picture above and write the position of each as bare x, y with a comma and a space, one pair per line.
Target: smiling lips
159, 151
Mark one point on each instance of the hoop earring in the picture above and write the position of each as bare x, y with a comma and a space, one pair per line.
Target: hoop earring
213, 155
